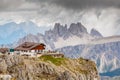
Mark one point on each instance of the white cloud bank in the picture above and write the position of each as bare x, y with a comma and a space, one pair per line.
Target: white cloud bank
44, 13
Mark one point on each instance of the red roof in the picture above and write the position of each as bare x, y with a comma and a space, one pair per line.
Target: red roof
28, 46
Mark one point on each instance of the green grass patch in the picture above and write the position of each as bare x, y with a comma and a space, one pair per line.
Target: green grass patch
56, 61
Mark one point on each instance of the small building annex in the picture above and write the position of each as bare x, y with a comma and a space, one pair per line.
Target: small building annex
4, 50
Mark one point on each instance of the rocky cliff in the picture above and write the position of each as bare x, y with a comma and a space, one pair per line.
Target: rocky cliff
47, 68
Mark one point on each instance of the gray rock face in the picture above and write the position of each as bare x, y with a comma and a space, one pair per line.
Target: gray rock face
59, 29
95, 33
77, 29
25, 68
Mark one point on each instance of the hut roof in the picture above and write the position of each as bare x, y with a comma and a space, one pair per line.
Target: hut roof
28, 46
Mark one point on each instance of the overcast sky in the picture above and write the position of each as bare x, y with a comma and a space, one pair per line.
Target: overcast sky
103, 15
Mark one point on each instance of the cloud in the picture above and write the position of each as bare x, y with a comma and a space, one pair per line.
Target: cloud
102, 15
10, 4
80, 4
65, 4
105, 21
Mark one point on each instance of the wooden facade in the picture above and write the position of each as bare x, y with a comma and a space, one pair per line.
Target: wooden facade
39, 47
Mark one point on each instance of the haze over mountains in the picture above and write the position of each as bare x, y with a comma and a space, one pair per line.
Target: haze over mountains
11, 32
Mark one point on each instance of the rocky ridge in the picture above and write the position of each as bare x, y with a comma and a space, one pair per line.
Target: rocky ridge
26, 68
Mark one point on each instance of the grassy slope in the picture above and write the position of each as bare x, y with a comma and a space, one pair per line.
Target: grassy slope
80, 65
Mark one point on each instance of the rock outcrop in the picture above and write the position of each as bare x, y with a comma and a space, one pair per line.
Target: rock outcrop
95, 33
26, 68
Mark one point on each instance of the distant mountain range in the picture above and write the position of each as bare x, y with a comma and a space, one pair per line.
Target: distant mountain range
61, 36
12, 32
74, 41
